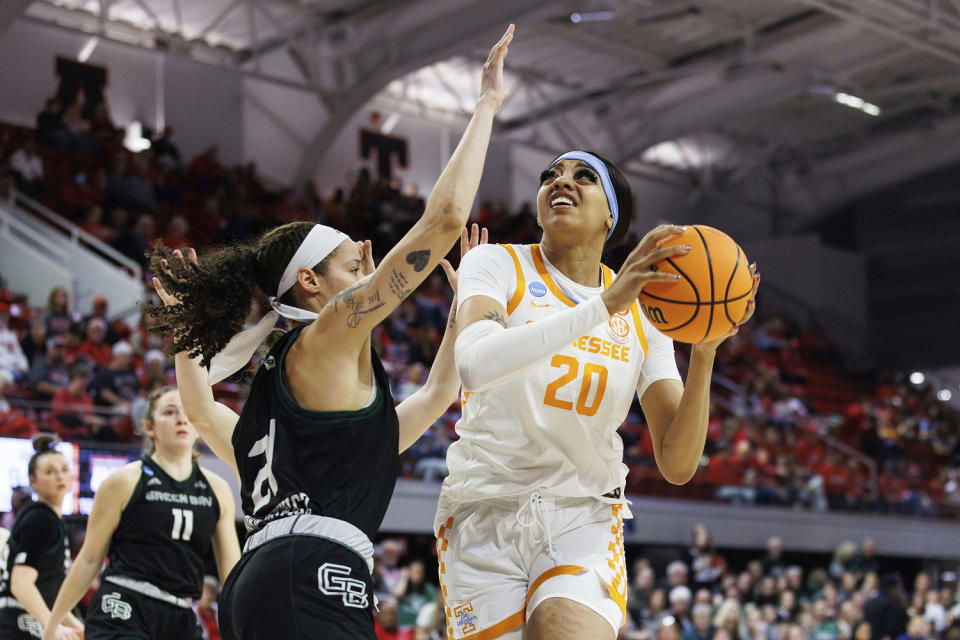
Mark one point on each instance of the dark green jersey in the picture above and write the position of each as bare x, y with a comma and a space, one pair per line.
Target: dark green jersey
339, 464
165, 530
38, 539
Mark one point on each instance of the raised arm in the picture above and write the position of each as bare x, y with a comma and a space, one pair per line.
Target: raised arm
214, 421
354, 312
442, 386
108, 504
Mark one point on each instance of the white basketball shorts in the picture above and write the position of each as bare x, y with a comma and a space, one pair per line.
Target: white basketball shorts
499, 559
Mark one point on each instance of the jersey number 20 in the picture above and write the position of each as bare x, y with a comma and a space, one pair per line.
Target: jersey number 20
572, 366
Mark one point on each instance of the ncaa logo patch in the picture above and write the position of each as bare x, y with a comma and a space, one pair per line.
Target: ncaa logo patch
537, 289
117, 608
466, 621
619, 329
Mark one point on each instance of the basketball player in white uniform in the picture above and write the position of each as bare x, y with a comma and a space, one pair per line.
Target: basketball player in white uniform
552, 348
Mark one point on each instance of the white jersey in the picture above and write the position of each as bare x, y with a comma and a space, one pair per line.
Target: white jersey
555, 425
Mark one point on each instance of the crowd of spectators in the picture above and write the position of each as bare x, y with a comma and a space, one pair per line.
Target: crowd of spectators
700, 596
890, 447
894, 447
77, 375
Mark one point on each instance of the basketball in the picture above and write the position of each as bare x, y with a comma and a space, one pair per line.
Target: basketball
712, 293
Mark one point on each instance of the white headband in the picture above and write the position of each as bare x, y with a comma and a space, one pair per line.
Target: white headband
319, 243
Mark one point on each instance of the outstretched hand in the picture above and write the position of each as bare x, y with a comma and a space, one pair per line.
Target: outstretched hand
167, 298
491, 82
637, 270
467, 242
366, 257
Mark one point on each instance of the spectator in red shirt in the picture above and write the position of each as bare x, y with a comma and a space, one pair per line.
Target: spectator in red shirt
207, 608
77, 193
93, 224
72, 407
12, 422
101, 310
176, 236
386, 624
95, 348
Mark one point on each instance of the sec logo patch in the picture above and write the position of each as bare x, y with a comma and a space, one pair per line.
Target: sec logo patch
537, 289
619, 329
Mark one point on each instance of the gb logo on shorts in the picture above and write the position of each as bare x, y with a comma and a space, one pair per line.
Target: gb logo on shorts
333, 583
117, 608
28, 624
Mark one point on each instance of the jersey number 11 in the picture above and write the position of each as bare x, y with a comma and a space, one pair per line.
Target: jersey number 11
182, 524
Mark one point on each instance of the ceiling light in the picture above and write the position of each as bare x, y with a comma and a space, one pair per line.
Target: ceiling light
944, 395
917, 377
87, 49
855, 102
134, 140
592, 16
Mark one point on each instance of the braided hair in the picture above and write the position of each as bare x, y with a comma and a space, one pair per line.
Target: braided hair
216, 293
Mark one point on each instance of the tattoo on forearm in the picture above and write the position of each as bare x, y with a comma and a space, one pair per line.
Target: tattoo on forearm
398, 285
496, 317
452, 322
418, 259
357, 300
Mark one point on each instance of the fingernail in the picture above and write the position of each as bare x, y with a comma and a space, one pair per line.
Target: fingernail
686, 247
676, 276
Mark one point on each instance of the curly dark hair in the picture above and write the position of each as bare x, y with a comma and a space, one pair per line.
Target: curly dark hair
216, 294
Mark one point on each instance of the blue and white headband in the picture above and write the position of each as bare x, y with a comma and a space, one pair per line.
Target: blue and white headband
597, 165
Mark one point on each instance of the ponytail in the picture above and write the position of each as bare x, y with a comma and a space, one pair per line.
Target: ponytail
215, 297
217, 293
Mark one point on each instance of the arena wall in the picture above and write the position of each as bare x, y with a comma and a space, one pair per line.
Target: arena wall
669, 522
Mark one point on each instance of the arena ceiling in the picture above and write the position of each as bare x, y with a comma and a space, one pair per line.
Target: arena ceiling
804, 103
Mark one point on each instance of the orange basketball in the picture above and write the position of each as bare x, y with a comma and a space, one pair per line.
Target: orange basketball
712, 293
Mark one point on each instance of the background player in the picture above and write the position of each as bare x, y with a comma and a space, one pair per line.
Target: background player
551, 351
317, 445
36, 555
157, 520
